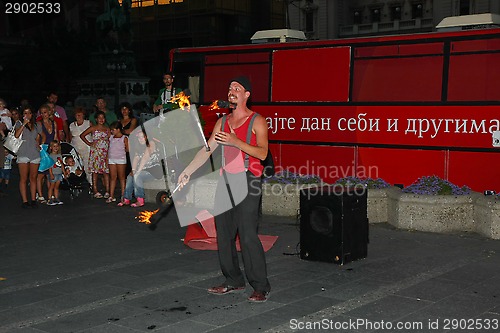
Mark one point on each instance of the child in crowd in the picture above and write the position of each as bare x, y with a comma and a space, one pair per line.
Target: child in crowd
55, 173
72, 172
70, 167
98, 158
6, 168
118, 147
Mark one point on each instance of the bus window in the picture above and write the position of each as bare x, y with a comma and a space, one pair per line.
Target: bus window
473, 74
398, 73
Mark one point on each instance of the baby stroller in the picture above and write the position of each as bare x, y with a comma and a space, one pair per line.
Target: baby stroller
76, 184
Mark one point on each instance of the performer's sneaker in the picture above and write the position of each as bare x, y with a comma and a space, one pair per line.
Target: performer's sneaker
223, 290
259, 296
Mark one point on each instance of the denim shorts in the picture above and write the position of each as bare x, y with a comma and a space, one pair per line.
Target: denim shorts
5, 173
57, 178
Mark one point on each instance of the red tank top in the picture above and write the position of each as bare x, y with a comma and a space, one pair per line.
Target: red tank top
234, 157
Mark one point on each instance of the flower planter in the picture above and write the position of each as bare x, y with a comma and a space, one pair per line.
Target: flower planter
282, 199
432, 213
379, 202
487, 216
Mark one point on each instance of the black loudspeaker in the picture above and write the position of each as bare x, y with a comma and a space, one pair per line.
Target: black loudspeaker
333, 224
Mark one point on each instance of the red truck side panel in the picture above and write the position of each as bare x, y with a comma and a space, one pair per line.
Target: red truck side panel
311, 75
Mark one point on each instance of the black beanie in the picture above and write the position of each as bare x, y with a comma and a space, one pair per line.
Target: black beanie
244, 81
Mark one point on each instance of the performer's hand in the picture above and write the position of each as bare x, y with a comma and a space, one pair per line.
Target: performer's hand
224, 138
183, 179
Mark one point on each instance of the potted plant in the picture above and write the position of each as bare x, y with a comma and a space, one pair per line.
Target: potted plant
281, 192
436, 205
379, 192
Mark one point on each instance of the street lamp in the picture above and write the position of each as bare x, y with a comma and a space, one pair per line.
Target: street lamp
116, 66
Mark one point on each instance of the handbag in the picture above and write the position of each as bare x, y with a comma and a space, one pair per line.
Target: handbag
12, 143
46, 162
268, 165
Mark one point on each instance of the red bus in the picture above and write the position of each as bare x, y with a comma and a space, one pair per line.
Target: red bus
394, 107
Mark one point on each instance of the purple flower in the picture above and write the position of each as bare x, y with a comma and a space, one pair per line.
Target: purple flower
433, 185
370, 183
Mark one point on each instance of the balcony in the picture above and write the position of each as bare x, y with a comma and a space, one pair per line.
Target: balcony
381, 28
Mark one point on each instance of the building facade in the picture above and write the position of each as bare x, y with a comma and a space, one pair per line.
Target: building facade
40, 52
330, 19
161, 25
51, 51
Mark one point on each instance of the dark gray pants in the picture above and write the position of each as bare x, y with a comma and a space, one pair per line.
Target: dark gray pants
242, 220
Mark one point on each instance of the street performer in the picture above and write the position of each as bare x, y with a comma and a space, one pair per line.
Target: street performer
242, 218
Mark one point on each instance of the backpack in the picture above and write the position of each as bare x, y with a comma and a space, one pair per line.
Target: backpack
267, 163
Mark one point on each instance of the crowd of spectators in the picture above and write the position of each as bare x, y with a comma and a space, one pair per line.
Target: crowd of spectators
99, 136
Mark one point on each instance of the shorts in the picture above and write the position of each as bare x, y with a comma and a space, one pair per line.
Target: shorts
24, 159
57, 178
5, 174
117, 161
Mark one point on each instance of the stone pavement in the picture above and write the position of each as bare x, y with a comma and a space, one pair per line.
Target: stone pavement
86, 266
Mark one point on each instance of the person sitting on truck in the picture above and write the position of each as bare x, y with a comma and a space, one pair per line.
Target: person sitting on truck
163, 102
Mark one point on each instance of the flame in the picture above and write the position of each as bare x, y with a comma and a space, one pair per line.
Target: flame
182, 99
214, 105
144, 216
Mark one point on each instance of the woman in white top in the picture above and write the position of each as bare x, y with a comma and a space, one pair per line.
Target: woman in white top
76, 128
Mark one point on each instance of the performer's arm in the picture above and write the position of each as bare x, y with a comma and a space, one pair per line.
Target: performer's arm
201, 156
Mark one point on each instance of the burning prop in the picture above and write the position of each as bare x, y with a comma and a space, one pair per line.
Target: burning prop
182, 99
144, 216
152, 218
219, 104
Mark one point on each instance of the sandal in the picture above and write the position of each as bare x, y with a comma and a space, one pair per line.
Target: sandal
124, 202
106, 195
110, 200
97, 195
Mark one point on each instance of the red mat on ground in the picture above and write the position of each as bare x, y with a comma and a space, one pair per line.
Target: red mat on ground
202, 236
